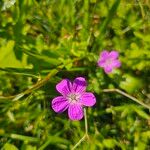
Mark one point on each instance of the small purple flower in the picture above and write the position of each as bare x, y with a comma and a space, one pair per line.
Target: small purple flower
109, 61
73, 98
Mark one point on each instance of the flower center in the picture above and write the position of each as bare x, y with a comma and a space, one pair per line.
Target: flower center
108, 61
73, 97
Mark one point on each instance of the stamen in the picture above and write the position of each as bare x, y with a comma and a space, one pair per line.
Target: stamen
109, 61
73, 97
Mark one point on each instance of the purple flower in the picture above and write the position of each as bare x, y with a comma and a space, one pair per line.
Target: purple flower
109, 61
73, 98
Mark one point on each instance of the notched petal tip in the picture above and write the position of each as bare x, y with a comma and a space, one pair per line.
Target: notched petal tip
101, 63
114, 54
80, 79
79, 84
88, 99
75, 112
102, 58
104, 54
64, 86
118, 64
108, 70
59, 104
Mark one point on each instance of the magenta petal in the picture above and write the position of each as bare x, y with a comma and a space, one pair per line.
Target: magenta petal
102, 63
79, 85
116, 63
108, 69
75, 112
64, 87
103, 57
104, 54
88, 99
113, 54
59, 104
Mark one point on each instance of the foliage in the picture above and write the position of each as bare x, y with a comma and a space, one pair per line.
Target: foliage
42, 42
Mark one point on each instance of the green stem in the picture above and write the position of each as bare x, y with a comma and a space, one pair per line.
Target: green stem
79, 142
39, 83
127, 95
34, 87
86, 131
85, 120
142, 10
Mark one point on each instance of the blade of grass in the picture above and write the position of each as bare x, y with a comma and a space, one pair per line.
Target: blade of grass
108, 19
53, 140
21, 137
20, 71
41, 57
103, 26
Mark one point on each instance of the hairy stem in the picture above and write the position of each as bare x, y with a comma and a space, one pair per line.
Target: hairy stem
127, 95
79, 142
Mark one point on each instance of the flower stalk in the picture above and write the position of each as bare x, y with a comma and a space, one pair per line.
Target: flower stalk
86, 131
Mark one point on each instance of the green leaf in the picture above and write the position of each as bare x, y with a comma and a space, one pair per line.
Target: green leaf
141, 145
109, 143
8, 3
143, 37
130, 83
9, 146
28, 147
141, 112
7, 56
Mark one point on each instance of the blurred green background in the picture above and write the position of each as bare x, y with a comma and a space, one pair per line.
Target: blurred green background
44, 41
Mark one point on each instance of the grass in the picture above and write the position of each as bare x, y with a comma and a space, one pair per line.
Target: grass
45, 41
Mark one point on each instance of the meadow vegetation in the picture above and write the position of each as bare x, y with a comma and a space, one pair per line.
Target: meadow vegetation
45, 41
